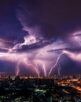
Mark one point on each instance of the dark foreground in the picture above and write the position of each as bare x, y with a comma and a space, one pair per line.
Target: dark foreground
66, 89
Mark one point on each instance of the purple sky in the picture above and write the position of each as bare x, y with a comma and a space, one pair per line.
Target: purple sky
40, 37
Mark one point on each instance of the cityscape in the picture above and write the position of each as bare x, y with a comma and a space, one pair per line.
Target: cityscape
40, 50
42, 89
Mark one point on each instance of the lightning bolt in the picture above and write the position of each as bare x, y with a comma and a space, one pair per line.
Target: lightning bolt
57, 61
44, 69
17, 69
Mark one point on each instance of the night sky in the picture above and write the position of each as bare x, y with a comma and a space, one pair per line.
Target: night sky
40, 37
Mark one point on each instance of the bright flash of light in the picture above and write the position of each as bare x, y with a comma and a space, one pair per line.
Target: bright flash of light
73, 56
36, 59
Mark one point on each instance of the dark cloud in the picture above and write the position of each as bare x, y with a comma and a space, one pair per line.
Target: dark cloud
54, 17
10, 27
